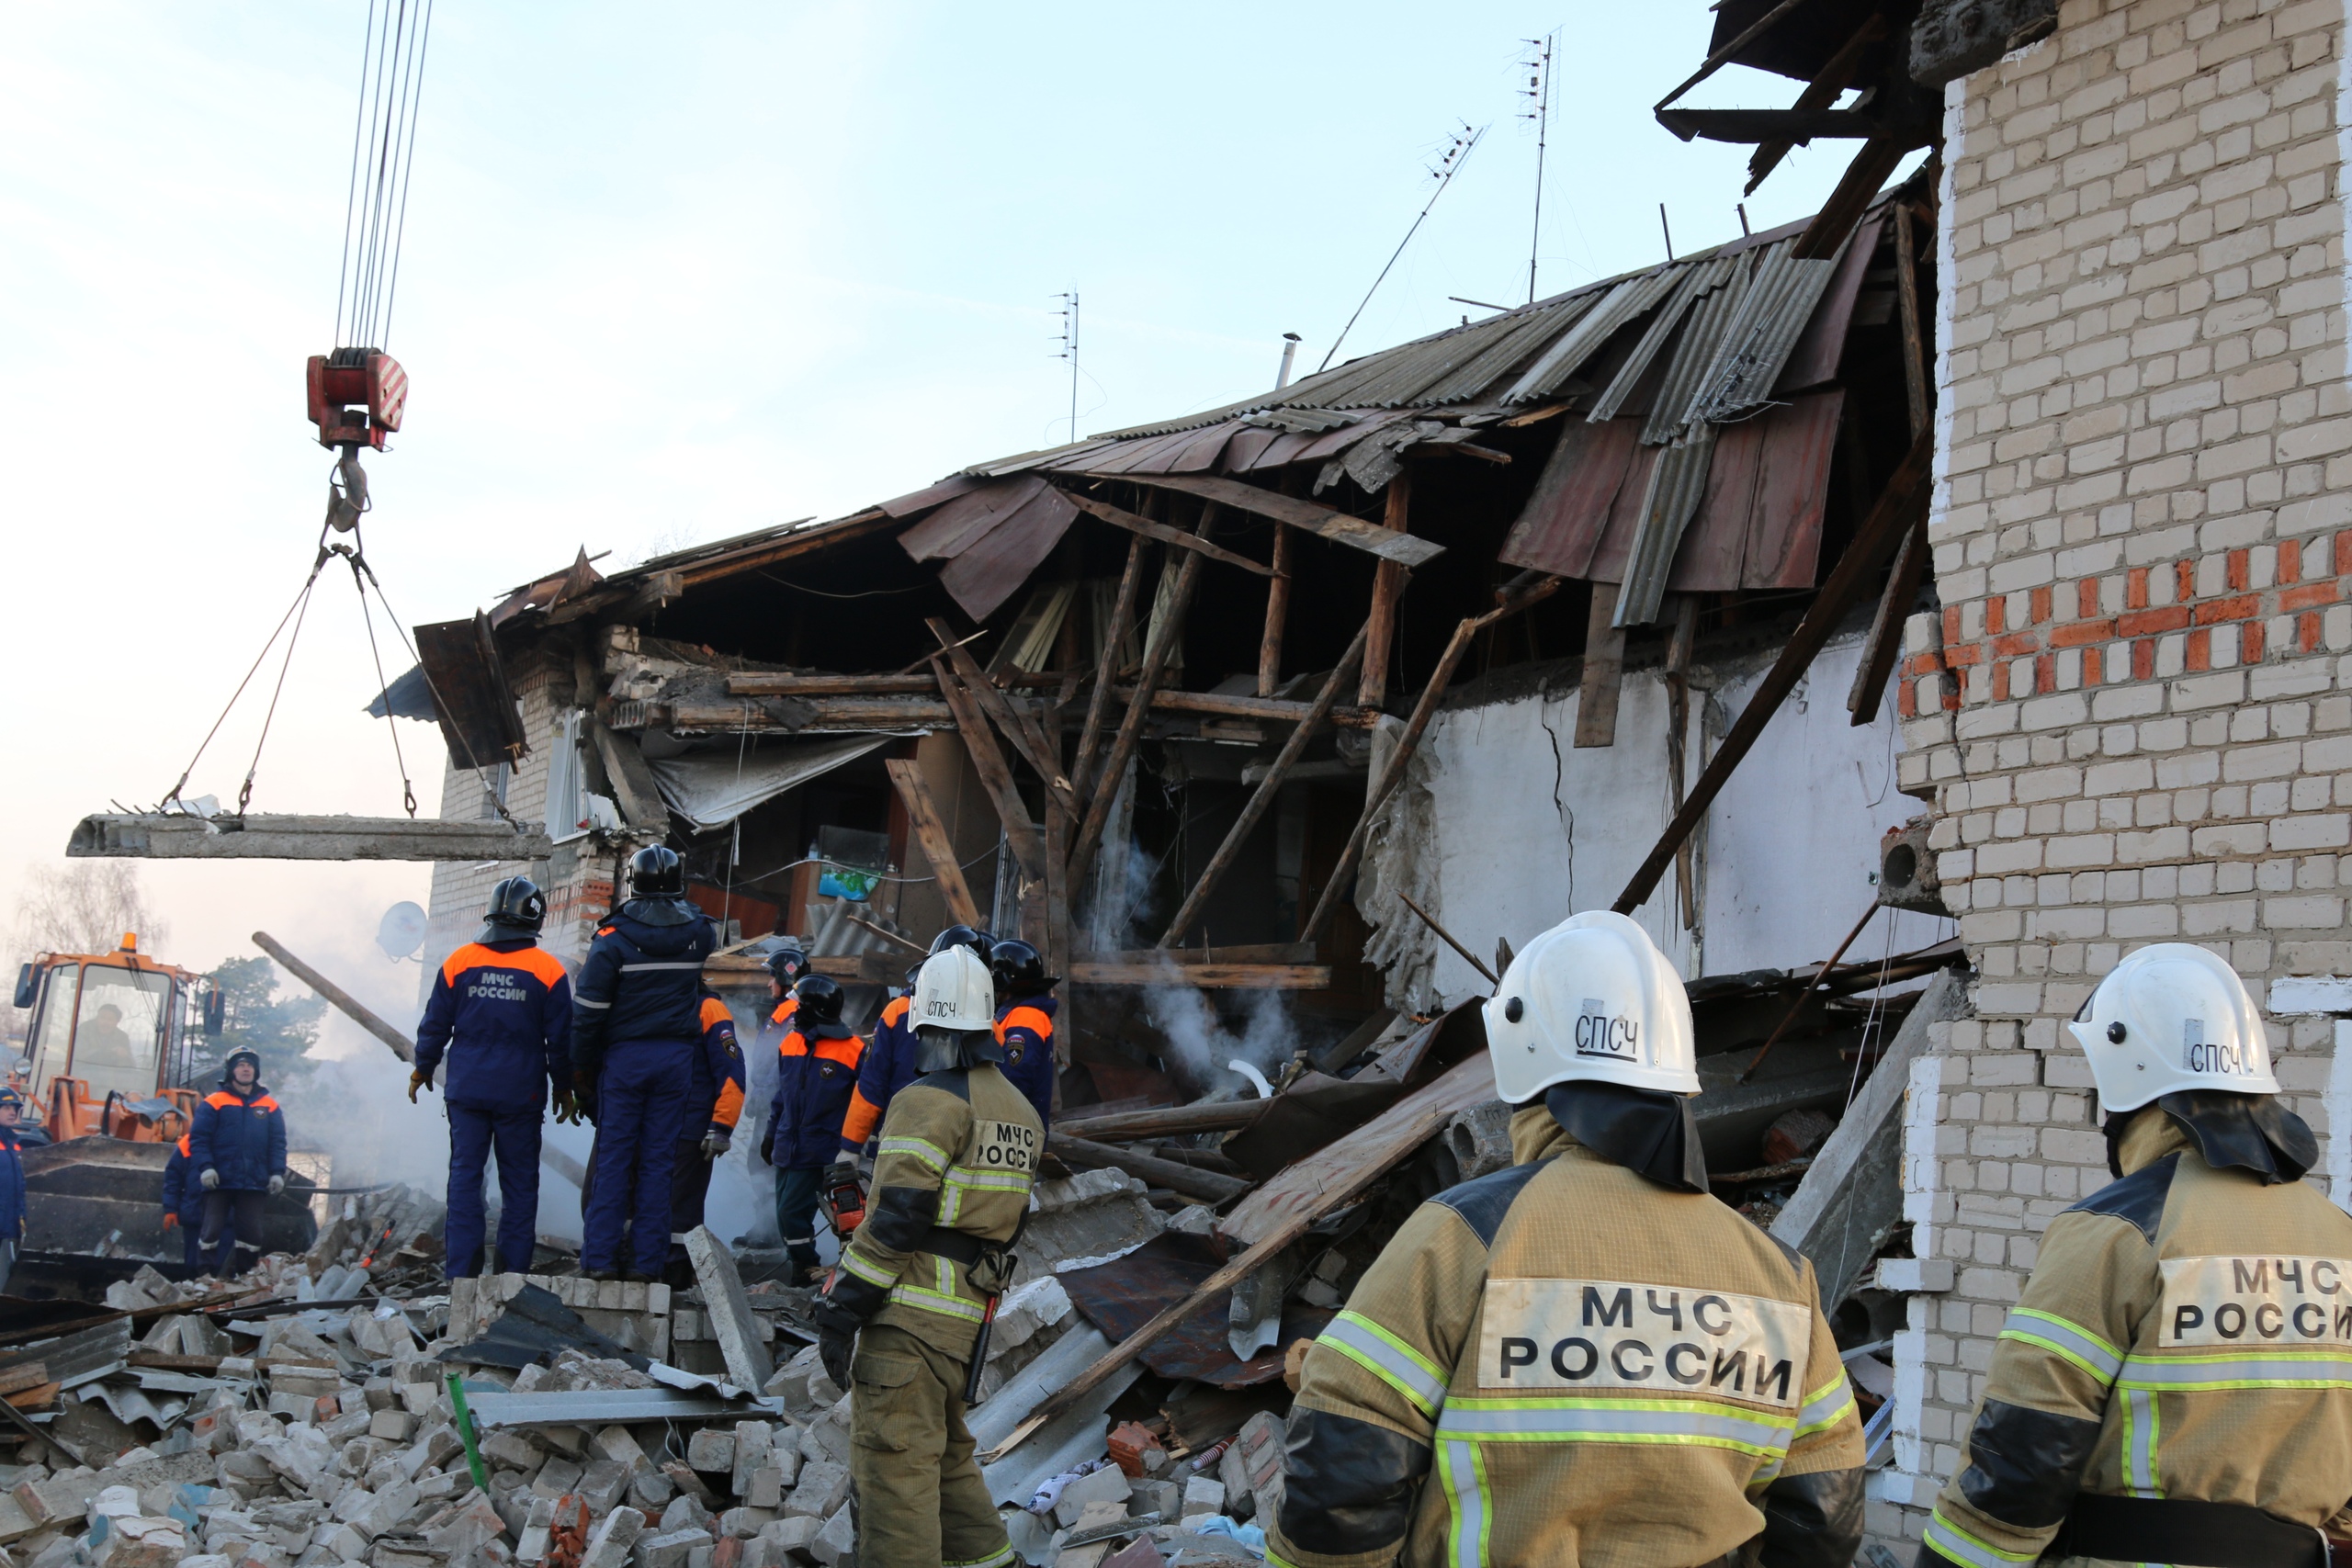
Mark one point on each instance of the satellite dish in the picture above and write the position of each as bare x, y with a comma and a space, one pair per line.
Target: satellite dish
402, 930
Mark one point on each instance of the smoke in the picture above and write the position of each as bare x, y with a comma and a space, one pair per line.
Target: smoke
1200, 1041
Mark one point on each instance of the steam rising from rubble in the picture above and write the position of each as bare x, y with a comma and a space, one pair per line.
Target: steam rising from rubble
1199, 1043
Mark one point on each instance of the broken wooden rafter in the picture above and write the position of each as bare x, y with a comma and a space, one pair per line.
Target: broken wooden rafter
170, 836
1515, 597
1230, 849
988, 761
1884, 645
1877, 535
1269, 639
1277, 710
931, 834
919, 683
1602, 679
1190, 1180
1388, 579
1164, 637
1119, 518
1204, 977
1027, 735
1171, 1122
1823, 90
1297, 511
1122, 609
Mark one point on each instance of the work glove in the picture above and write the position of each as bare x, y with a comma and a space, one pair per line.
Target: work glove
212, 1179
567, 1109
767, 1144
417, 1080
714, 1144
837, 1351
170, 1221
276, 1185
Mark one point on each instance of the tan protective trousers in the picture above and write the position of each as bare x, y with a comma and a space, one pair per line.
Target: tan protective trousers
920, 1499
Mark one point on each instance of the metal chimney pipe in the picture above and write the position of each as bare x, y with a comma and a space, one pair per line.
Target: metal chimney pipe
1290, 351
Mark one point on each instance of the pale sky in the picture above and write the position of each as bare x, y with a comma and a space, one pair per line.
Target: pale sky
673, 273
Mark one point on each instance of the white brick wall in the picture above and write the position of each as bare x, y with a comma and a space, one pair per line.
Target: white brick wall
2131, 716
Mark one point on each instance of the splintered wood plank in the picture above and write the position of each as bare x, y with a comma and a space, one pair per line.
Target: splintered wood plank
1299, 512
1604, 670
931, 833
988, 760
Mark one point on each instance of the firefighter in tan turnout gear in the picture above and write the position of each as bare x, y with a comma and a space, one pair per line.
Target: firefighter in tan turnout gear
1584, 1360
918, 1280
2175, 1385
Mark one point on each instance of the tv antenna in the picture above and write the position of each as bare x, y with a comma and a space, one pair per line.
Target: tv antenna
1538, 93
1069, 351
1449, 163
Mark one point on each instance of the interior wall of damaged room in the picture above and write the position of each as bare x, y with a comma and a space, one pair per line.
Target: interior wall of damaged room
2130, 711
1524, 827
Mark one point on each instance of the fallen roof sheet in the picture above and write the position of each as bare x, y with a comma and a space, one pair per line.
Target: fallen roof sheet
1120, 1297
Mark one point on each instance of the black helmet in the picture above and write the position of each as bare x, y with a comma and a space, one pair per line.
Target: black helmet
963, 936
656, 872
786, 964
819, 996
517, 905
1018, 969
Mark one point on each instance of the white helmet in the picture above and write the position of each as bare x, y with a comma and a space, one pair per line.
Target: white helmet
1592, 999
2172, 1017
954, 991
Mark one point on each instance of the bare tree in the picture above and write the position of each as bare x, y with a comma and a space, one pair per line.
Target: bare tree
84, 907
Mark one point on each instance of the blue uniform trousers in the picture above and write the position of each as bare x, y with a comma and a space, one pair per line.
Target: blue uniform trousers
797, 1193
640, 1108
474, 1131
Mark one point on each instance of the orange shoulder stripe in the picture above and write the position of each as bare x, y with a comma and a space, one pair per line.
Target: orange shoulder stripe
714, 1012
784, 1010
545, 965
729, 1109
845, 1051
863, 1118
1033, 1020
794, 1043
185, 1151
897, 1008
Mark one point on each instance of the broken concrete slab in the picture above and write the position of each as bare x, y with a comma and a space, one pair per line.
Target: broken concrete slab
161, 836
729, 1310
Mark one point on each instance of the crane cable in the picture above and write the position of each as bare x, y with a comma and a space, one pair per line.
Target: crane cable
383, 128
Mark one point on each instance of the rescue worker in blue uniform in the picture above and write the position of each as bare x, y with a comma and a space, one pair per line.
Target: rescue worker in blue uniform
501, 1012
816, 1068
714, 1104
184, 1201
238, 1146
12, 1181
1024, 1021
635, 1027
784, 967
888, 1064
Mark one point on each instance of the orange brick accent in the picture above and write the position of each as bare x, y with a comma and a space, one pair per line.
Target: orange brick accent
1907, 699
2135, 589
1951, 625
1996, 614
2081, 633
2200, 650
2237, 570
2144, 658
2087, 598
2045, 674
2343, 553
2290, 560
1963, 654
2184, 582
2017, 645
2038, 606
2170, 619
2324, 591
2245, 607
2090, 667
2307, 631
2250, 641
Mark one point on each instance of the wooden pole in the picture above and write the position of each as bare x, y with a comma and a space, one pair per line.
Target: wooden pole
1884, 646
988, 760
1447, 937
1270, 641
1387, 588
1603, 676
1155, 665
1393, 773
931, 832
1259, 802
1677, 727
1175, 1120
1207, 1185
1027, 737
1106, 667
1872, 541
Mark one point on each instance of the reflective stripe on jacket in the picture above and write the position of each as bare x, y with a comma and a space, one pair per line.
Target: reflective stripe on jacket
887, 1067
814, 1082
960, 1151
1562, 1362
2188, 1334
240, 1136
641, 980
718, 1071
1025, 1030
502, 1012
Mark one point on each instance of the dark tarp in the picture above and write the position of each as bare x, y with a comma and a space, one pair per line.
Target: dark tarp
1120, 1297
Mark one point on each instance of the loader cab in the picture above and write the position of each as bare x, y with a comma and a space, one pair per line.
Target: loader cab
108, 1033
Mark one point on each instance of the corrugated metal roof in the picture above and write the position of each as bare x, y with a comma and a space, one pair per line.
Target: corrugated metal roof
1675, 486
1670, 411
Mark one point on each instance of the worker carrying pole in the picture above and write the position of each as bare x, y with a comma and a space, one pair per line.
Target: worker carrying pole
919, 1279
2175, 1385
1584, 1355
